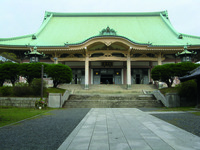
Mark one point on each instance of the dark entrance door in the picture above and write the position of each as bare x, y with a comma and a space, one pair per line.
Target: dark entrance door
75, 78
137, 78
106, 79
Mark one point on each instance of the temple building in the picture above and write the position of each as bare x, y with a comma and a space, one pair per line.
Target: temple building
101, 48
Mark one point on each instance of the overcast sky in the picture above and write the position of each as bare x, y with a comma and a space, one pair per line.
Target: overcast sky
22, 17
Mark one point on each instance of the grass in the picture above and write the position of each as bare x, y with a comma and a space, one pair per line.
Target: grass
196, 113
169, 90
9, 115
176, 109
53, 90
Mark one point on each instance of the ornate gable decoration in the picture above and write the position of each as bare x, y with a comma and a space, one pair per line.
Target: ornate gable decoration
108, 31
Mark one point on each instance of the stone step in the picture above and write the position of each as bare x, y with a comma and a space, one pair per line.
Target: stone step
111, 101
111, 97
112, 104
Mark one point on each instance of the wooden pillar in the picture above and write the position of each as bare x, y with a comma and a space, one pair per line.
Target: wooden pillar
159, 58
129, 69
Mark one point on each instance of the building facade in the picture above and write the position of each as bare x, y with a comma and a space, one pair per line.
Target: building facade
105, 48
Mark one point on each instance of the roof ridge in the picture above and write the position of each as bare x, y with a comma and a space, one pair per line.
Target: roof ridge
106, 13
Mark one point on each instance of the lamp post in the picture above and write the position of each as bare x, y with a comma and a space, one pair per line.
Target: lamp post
186, 56
34, 58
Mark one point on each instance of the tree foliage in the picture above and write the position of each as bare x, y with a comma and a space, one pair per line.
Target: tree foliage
182, 69
163, 73
167, 72
11, 71
2, 75
8, 71
59, 73
8, 57
30, 71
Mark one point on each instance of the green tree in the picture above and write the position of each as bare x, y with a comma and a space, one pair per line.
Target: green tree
12, 71
30, 71
59, 73
163, 73
2, 75
182, 69
8, 57
167, 72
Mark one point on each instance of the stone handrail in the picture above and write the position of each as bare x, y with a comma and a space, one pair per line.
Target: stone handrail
56, 100
169, 100
161, 97
65, 97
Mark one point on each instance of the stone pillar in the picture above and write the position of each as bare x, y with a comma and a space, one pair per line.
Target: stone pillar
159, 58
128, 70
86, 72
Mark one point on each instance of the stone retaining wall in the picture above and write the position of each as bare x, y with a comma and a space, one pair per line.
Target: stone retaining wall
18, 101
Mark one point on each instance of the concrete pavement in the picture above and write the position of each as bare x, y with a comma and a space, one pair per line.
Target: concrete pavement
127, 129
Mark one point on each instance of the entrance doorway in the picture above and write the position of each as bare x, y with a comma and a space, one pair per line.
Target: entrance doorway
137, 78
107, 76
75, 79
140, 76
78, 76
106, 79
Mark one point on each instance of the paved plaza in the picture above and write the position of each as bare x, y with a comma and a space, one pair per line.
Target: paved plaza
127, 129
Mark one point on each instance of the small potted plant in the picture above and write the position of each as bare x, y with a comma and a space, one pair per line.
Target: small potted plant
40, 104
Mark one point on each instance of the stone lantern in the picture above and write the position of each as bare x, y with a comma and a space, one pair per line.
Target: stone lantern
186, 56
34, 55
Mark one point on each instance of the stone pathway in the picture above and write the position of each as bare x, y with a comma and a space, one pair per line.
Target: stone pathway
127, 129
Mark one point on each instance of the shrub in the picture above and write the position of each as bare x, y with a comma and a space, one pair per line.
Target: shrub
22, 90
36, 87
21, 84
6, 91
188, 89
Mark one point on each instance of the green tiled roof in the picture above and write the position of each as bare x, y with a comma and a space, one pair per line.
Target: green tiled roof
58, 29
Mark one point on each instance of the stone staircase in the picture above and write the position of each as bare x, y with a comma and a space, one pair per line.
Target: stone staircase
110, 96
133, 100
